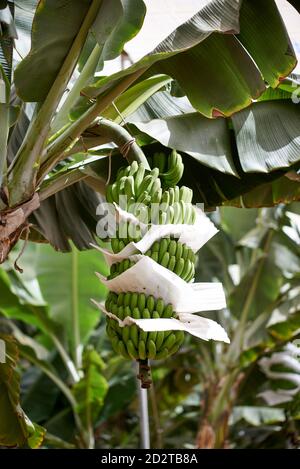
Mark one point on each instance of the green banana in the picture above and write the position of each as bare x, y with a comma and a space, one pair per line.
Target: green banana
133, 168
160, 306
162, 354
122, 349
138, 178
129, 187
141, 301
125, 334
159, 339
168, 311
179, 267
132, 351
151, 348
127, 298
150, 303
142, 350
154, 256
146, 314
163, 248
133, 300
172, 195
169, 341
172, 263
136, 313
165, 259
159, 161
172, 247
134, 335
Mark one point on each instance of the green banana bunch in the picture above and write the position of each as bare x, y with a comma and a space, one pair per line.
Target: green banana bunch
175, 170
143, 188
130, 341
169, 253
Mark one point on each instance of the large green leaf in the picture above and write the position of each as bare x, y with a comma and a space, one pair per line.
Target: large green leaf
15, 427
68, 283
285, 189
193, 48
257, 290
57, 215
21, 299
128, 102
55, 25
161, 105
273, 53
91, 390
221, 16
206, 140
126, 17
115, 24
231, 79
268, 135
276, 335
257, 415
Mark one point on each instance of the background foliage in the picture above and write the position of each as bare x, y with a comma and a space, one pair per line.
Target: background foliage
205, 389
220, 90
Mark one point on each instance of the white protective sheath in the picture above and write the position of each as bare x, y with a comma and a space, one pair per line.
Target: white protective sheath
203, 328
149, 277
194, 236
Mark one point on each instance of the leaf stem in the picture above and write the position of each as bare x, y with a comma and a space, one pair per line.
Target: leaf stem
22, 173
75, 311
62, 117
56, 150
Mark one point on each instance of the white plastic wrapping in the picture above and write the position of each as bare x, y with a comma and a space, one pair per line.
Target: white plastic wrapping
289, 358
149, 277
203, 328
194, 236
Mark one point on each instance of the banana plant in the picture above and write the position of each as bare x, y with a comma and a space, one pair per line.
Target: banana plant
260, 271
59, 116
48, 324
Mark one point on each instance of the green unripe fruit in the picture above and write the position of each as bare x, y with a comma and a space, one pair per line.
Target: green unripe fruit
142, 350
151, 349
150, 303
141, 301
132, 351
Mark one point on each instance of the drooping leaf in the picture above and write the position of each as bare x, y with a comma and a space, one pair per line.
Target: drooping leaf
128, 102
273, 53
261, 283
116, 23
185, 57
15, 427
268, 135
39, 394
276, 335
206, 140
21, 299
285, 189
57, 215
55, 25
91, 390
68, 283
257, 416
209, 19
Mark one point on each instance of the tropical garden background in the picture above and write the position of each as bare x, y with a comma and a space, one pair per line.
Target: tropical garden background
222, 90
